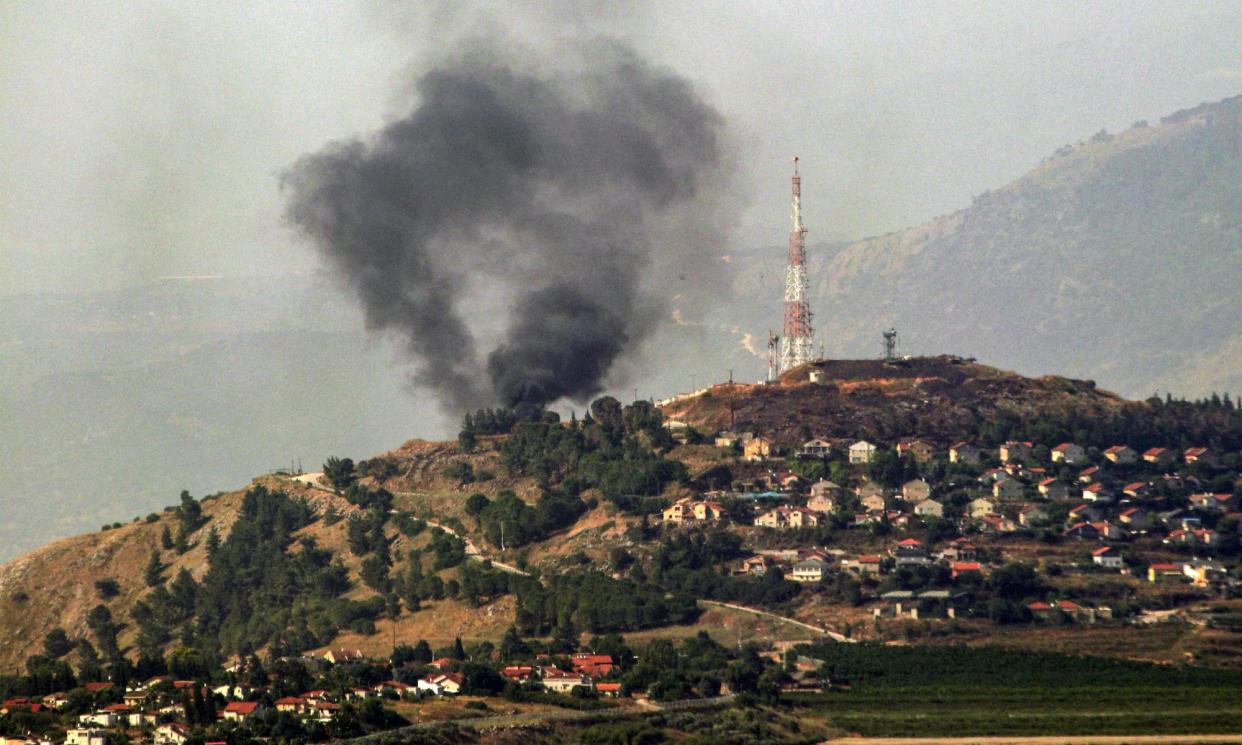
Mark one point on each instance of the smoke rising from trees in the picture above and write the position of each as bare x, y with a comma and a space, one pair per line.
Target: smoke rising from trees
545, 190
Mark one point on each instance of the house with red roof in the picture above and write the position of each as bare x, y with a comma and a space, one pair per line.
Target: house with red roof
1201, 455
440, 684
517, 673
910, 551
1068, 453
1159, 456
1015, 451
1165, 572
292, 704
1121, 455
1053, 488
612, 690
1107, 557
593, 665
1134, 518
1040, 610
240, 711
967, 569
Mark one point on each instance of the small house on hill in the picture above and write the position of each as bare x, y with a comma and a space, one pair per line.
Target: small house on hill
964, 452
1068, 453
921, 450
915, 490
861, 452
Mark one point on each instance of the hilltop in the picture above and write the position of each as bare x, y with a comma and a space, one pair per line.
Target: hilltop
942, 398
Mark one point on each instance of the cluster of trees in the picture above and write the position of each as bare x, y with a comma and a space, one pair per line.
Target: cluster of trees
615, 449
509, 522
589, 600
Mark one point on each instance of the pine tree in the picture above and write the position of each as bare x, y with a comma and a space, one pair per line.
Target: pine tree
166, 539
151, 575
459, 652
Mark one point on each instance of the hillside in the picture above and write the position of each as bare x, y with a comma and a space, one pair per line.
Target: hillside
1114, 259
569, 497
939, 398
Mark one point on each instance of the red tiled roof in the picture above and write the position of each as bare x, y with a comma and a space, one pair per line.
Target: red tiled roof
1101, 551
242, 707
967, 566
608, 687
1039, 606
910, 542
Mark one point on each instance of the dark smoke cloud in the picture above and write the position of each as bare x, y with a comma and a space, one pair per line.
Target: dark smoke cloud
509, 182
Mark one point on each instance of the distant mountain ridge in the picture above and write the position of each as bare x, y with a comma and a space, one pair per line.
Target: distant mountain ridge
1115, 259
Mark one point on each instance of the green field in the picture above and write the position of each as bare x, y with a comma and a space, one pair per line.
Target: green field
1030, 711
962, 691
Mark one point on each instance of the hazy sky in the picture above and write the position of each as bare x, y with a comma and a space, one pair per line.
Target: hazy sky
140, 140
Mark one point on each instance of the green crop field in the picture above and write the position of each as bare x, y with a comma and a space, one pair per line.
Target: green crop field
960, 691
930, 712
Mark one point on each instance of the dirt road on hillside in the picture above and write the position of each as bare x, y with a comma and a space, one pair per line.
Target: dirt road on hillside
1043, 740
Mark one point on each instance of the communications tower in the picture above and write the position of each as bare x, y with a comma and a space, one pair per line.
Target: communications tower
798, 337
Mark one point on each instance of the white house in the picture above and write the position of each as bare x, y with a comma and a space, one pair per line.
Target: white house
1107, 557
86, 737
980, 507
439, 684
929, 508
862, 452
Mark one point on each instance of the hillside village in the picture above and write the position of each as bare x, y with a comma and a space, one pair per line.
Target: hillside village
577, 553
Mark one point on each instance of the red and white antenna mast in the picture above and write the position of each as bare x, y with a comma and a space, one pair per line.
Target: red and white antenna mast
797, 341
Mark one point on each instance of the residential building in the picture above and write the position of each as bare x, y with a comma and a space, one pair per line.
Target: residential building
980, 507
824, 504
1164, 572
964, 452
921, 450
812, 569
965, 569
1160, 456
172, 733
910, 551
1012, 451
1107, 557
863, 565
929, 508
814, 449
240, 711
960, 549
1008, 489
824, 488
440, 684
788, 517
873, 502
1134, 518
343, 656
1137, 490
1201, 455
1054, 489
1033, 514
1068, 453
861, 452
916, 490
86, 736
757, 565
1121, 455
559, 681
690, 510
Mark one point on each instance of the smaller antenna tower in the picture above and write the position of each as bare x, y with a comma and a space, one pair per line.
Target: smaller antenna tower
774, 362
890, 344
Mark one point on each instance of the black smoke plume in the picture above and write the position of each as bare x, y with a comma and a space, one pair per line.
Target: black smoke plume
519, 190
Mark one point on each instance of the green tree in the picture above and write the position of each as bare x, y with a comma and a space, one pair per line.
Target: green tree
57, 643
166, 539
155, 568
338, 471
